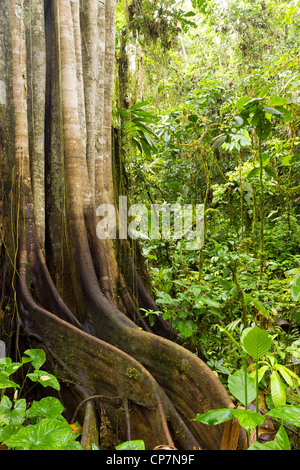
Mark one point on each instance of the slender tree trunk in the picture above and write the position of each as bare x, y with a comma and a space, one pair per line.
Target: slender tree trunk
70, 295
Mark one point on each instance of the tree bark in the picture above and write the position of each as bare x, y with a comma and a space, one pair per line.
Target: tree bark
70, 295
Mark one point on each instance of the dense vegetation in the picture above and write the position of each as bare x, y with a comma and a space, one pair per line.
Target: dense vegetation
207, 111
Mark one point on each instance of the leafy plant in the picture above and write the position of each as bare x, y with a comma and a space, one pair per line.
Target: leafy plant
187, 309
39, 425
136, 125
295, 291
131, 445
255, 342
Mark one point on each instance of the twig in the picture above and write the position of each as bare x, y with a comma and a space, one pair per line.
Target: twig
93, 397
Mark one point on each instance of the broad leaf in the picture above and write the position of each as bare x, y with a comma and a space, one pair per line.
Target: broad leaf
277, 101
9, 367
252, 103
277, 390
7, 431
253, 172
236, 384
256, 342
242, 101
36, 356
248, 418
281, 442
215, 416
14, 413
238, 121
295, 292
139, 105
219, 141
193, 118
261, 373
290, 377
289, 413
286, 114
5, 381
187, 327
270, 171
48, 407
272, 111
3, 420
260, 307
48, 434
131, 445
264, 90
44, 378
210, 302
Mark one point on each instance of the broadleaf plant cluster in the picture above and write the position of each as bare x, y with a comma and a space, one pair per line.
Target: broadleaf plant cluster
37, 425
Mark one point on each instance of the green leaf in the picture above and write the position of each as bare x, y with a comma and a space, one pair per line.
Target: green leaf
248, 418
131, 445
48, 407
215, 416
36, 356
286, 161
236, 385
295, 292
226, 284
210, 302
44, 378
15, 413
187, 327
256, 119
5, 381
238, 121
260, 307
252, 103
272, 111
253, 172
261, 373
289, 413
256, 342
242, 101
48, 434
286, 114
7, 431
192, 117
288, 375
281, 442
270, 171
3, 420
189, 13
9, 367
219, 141
173, 185
139, 105
277, 101
264, 91
277, 390
146, 148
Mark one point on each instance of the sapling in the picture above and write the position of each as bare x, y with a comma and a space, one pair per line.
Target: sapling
255, 343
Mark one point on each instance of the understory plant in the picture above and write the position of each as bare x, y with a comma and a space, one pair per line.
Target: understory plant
38, 425
244, 386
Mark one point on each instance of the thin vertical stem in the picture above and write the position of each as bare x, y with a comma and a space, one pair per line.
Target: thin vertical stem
261, 206
246, 396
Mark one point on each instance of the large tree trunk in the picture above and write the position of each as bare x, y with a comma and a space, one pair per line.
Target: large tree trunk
68, 291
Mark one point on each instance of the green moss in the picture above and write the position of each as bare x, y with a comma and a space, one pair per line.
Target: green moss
132, 373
